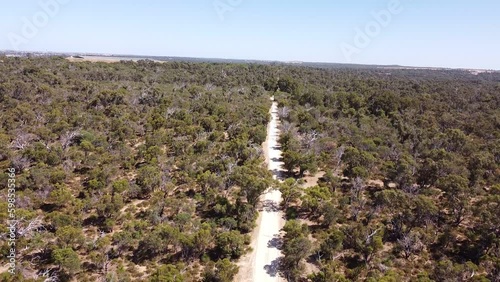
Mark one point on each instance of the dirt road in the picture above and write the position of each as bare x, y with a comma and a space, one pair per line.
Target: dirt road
261, 265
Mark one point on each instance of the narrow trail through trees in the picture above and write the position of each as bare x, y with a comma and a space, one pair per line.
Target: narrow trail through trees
262, 264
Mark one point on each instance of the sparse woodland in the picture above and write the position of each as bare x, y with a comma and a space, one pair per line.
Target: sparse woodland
143, 171
410, 190
132, 171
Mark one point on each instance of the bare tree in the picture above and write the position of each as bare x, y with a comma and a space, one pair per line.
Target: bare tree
67, 138
256, 151
26, 227
358, 186
22, 140
105, 264
357, 201
20, 163
369, 236
286, 127
337, 157
410, 244
309, 139
40, 118
170, 111
49, 274
179, 86
357, 205
283, 112
210, 87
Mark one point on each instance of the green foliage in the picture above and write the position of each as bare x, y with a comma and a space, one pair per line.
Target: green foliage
59, 219
290, 191
314, 199
253, 180
167, 273
332, 244
222, 271
230, 244
327, 274
120, 186
60, 196
446, 270
456, 190
166, 156
291, 159
109, 205
296, 247
288, 85
148, 179
358, 163
295, 250
67, 259
69, 236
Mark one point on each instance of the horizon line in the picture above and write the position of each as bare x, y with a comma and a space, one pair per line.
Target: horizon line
296, 62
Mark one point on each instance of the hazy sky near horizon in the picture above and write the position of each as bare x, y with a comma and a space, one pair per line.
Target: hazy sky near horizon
445, 33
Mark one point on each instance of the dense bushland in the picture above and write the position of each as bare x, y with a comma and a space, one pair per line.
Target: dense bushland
152, 171
411, 175
131, 170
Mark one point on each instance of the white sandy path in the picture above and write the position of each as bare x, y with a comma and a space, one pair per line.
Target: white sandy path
261, 264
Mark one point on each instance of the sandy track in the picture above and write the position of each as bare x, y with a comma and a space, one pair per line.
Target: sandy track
261, 265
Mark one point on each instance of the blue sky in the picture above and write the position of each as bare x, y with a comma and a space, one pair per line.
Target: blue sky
445, 33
